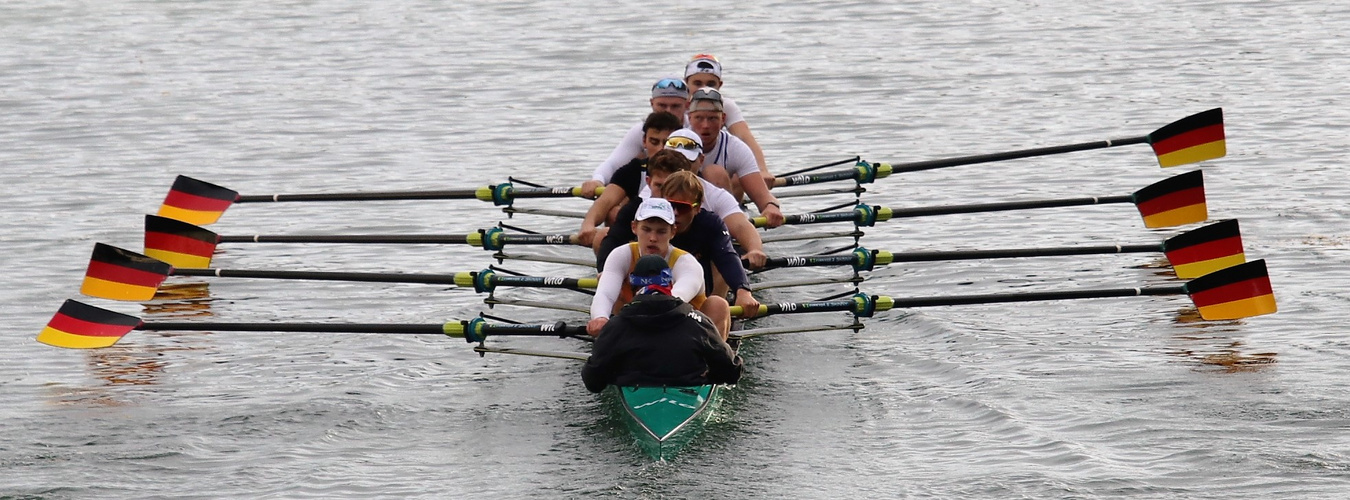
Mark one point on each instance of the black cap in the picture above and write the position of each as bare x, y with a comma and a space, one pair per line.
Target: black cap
650, 265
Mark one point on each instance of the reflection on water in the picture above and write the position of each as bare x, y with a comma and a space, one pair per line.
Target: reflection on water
1210, 343
128, 366
181, 300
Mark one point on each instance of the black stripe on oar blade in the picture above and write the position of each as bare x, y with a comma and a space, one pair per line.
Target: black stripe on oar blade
198, 202
1205, 250
1237, 292
1173, 202
179, 243
81, 326
120, 274
1192, 139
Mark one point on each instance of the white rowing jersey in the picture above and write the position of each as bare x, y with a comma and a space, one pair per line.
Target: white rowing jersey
686, 283
631, 145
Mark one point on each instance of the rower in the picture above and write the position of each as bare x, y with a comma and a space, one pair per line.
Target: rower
669, 95
655, 129
682, 148
654, 224
703, 234
704, 70
726, 156
659, 340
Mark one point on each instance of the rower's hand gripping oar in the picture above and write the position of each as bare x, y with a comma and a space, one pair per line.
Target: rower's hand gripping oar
200, 202
1236, 292
77, 325
1175, 201
191, 246
120, 274
1192, 254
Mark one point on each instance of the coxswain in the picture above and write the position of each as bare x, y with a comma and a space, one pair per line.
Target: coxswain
659, 340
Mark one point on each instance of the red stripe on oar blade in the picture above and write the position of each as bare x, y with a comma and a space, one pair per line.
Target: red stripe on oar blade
188, 201
1206, 251
110, 263
76, 326
1241, 290
1172, 201
1197, 137
179, 244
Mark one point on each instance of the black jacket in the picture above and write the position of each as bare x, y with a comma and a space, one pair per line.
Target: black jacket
659, 340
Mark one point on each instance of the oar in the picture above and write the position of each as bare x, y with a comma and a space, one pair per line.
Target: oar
200, 202
189, 245
77, 325
1192, 139
1192, 254
1236, 292
119, 274
1171, 202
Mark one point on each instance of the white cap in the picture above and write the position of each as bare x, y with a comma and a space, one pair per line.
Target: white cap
687, 142
655, 207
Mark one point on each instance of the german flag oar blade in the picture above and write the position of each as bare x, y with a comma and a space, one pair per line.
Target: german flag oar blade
1202, 251
1237, 292
179, 243
120, 274
1176, 201
1192, 139
197, 202
81, 326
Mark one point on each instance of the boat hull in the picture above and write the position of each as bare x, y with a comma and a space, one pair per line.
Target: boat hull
664, 419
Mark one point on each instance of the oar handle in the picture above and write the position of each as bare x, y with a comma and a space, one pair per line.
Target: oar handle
488, 280
1013, 155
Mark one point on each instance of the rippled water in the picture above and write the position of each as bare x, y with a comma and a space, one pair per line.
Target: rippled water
105, 102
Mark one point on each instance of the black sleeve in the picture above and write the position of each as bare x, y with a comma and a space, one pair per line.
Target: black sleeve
722, 254
599, 369
629, 177
724, 366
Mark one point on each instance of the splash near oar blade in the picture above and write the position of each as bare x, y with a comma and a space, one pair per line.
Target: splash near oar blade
1202, 251
1176, 201
1192, 139
120, 274
179, 243
1237, 292
196, 202
81, 326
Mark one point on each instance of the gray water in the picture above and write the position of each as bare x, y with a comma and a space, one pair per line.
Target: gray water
103, 103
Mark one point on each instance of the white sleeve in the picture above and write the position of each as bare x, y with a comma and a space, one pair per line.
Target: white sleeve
611, 281
740, 159
688, 277
733, 111
629, 147
719, 201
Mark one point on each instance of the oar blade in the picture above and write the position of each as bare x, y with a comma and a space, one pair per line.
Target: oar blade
119, 274
179, 243
1202, 251
1192, 139
1237, 292
81, 326
1176, 201
196, 202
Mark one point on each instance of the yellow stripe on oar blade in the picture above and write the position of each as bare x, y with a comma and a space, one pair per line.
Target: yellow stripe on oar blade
181, 260
1178, 217
190, 216
81, 326
1194, 154
105, 289
1201, 268
1237, 309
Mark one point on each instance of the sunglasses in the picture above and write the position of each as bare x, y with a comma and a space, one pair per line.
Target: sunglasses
670, 83
683, 207
682, 143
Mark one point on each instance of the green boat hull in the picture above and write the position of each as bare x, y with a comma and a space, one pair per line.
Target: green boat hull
664, 419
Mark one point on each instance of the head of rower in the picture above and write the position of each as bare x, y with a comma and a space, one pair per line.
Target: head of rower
654, 225
684, 191
706, 117
689, 144
703, 70
670, 95
656, 129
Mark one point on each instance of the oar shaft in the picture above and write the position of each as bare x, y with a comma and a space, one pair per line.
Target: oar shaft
1013, 253
370, 238
902, 302
1012, 205
447, 194
296, 327
1012, 155
431, 279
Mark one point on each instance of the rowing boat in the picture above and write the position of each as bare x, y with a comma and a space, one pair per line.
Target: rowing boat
1222, 284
